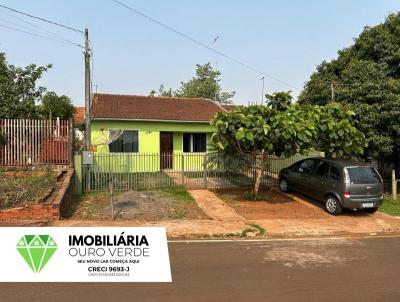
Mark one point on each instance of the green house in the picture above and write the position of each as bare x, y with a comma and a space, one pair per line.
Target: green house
147, 133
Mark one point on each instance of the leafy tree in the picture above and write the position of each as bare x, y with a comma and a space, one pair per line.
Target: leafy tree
53, 106
366, 77
279, 100
263, 131
163, 92
205, 84
18, 91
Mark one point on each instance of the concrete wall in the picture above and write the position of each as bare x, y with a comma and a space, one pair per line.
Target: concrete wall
78, 174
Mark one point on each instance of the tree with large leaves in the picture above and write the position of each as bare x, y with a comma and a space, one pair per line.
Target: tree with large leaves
262, 131
205, 84
366, 77
279, 100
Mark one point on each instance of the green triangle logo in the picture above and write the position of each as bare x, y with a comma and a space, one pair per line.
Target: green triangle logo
36, 250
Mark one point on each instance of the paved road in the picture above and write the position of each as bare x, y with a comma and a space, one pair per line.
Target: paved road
304, 270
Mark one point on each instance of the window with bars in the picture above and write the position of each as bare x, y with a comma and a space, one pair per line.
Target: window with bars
127, 142
194, 142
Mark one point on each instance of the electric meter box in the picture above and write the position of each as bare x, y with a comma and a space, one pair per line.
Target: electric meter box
87, 157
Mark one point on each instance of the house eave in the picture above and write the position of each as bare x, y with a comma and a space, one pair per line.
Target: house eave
145, 120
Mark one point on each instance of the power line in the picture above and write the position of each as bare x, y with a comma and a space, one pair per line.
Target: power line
42, 19
26, 28
35, 26
37, 35
16, 24
203, 45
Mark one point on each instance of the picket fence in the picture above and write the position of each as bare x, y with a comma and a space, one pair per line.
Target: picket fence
27, 142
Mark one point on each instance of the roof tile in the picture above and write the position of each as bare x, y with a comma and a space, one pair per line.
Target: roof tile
79, 115
116, 106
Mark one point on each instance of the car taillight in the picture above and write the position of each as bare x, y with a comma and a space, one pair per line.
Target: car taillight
346, 194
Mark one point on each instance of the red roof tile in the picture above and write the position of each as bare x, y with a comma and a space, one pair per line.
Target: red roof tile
115, 106
79, 115
230, 107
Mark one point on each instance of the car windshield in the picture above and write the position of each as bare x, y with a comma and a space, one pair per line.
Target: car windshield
363, 175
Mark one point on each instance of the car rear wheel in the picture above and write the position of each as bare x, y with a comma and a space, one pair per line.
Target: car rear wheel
332, 205
284, 185
371, 210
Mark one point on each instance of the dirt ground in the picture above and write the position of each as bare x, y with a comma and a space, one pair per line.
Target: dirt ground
272, 205
278, 215
135, 205
22, 188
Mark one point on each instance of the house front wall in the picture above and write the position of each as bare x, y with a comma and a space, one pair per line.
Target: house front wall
148, 157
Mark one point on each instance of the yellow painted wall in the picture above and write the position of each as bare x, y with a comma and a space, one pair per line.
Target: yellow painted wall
147, 159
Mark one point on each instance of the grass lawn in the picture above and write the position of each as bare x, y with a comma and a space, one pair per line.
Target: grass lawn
391, 206
24, 187
178, 193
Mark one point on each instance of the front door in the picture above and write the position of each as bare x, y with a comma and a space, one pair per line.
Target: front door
166, 150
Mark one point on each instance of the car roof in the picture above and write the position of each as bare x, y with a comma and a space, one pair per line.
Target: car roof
341, 162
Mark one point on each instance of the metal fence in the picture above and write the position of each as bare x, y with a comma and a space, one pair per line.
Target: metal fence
140, 171
35, 142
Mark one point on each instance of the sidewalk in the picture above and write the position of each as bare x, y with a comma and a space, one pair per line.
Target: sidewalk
374, 224
226, 222
214, 207
348, 223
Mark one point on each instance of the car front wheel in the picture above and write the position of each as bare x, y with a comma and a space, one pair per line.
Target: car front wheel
284, 185
332, 205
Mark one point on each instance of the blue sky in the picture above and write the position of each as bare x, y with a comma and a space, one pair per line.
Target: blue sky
285, 39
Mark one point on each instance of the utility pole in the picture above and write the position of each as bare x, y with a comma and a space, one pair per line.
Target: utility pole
87, 93
216, 70
262, 92
332, 92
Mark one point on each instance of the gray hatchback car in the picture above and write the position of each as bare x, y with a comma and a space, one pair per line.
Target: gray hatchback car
339, 184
